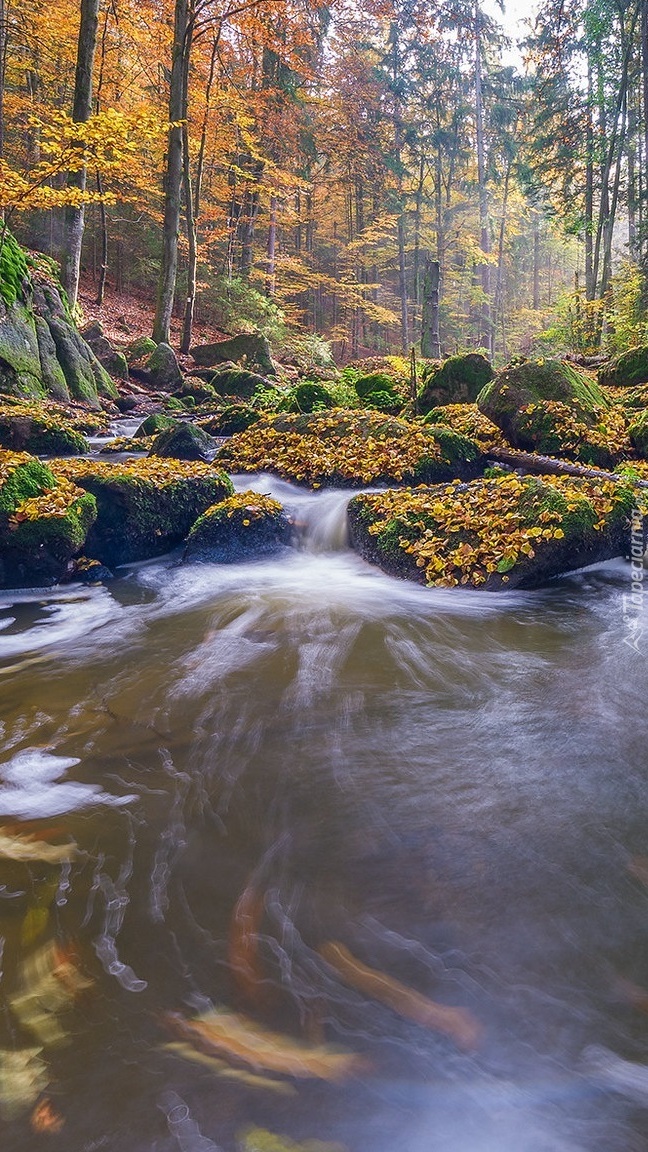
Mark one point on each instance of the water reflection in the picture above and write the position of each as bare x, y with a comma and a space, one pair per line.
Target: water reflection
269, 767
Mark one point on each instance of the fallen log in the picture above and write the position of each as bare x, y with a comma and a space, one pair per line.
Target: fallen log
550, 466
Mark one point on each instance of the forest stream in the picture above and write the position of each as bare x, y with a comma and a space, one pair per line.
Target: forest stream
299, 807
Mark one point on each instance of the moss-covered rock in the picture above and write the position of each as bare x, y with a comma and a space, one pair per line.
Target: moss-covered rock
163, 369
627, 370
347, 448
197, 392
231, 419
153, 423
469, 421
14, 271
551, 408
140, 349
145, 506
245, 526
44, 522
504, 532
638, 433
40, 435
20, 366
239, 383
459, 380
308, 397
252, 349
183, 442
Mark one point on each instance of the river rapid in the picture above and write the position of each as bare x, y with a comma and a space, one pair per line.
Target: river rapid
451, 784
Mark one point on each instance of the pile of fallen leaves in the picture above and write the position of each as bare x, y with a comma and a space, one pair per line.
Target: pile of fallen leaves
554, 426
9, 461
339, 446
253, 504
158, 470
463, 533
127, 444
469, 421
48, 414
58, 501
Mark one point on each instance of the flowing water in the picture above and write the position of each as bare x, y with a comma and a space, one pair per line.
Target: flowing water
257, 760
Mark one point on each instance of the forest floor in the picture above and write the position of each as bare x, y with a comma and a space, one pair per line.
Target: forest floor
126, 315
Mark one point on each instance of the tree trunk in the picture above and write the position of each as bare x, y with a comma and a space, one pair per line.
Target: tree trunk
82, 111
103, 268
173, 174
590, 287
430, 341
486, 334
271, 249
192, 199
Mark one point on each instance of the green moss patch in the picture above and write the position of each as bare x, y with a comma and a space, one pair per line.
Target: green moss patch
627, 370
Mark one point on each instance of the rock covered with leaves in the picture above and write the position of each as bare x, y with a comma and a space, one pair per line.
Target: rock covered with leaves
469, 421
550, 407
507, 531
34, 427
345, 448
145, 507
242, 527
44, 522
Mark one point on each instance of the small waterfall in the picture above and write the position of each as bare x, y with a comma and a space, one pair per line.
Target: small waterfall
320, 517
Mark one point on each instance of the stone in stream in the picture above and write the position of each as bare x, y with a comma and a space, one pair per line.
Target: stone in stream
183, 442
550, 407
507, 531
44, 522
347, 449
145, 507
246, 526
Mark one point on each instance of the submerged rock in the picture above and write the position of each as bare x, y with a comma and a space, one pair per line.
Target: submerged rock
145, 507
243, 527
509, 531
44, 522
551, 408
349, 449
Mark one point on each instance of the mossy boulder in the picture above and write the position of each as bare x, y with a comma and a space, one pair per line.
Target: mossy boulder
196, 392
140, 349
183, 442
252, 349
638, 434
245, 526
309, 397
508, 531
40, 435
145, 507
348, 448
231, 419
153, 423
239, 382
627, 370
109, 357
469, 421
44, 522
162, 368
551, 408
459, 380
